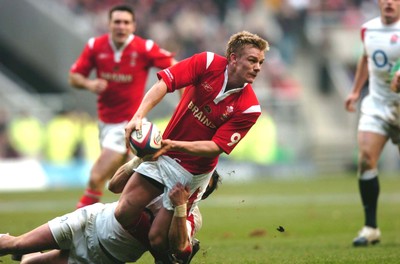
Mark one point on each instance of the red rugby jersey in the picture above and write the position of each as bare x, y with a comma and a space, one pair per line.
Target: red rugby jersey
206, 111
126, 71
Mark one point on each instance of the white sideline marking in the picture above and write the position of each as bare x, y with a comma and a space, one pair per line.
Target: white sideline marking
36, 206
215, 201
334, 199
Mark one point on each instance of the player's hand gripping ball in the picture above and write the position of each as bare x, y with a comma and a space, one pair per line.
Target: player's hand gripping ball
146, 141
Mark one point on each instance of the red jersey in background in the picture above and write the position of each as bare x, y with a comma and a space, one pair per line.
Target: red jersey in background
126, 71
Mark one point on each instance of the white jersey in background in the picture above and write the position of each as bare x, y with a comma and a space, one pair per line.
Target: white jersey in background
382, 46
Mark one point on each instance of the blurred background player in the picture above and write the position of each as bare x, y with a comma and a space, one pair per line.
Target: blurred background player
380, 117
215, 112
122, 62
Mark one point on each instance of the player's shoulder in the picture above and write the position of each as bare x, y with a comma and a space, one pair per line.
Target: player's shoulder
96, 41
374, 23
211, 56
375, 26
211, 60
139, 40
247, 102
249, 96
142, 44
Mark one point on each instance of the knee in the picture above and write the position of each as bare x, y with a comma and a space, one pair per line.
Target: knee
120, 215
96, 176
366, 162
158, 241
127, 216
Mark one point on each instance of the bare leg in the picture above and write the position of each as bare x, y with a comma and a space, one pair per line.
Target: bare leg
371, 146
51, 257
39, 239
137, 193
158, 234
103, 169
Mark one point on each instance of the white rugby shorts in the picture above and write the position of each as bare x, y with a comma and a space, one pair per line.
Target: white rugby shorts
169, 172
380, 117
76, 232
112, 136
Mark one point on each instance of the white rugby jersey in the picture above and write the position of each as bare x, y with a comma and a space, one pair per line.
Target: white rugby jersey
382, 46
126, 248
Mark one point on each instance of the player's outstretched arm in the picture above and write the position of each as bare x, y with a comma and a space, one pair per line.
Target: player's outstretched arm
79, 81
122, 175
204, 148
150, 100
39, 239
178, 234
359, 82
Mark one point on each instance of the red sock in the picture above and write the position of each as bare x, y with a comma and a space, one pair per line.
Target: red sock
185, 255
89, 197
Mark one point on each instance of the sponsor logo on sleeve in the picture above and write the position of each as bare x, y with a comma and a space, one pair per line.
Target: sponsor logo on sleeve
207, 87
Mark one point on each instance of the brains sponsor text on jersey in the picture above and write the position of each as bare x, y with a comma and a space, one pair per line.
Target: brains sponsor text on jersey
116, 77
200, 115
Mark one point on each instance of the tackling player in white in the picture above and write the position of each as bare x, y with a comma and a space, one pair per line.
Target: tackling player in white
92, 235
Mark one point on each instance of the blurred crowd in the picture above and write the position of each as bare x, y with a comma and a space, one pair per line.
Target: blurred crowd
66, 137
186, 27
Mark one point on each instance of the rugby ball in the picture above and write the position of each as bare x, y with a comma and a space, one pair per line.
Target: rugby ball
145, 141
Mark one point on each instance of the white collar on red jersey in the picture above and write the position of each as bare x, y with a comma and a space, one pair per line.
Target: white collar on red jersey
223, 93
118, 52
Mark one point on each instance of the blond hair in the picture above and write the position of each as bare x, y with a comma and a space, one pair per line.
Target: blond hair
237, 42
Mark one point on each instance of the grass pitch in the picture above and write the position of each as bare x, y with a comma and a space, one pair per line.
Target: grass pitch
317, 219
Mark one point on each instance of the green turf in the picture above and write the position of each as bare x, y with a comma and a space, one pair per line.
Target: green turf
320, 217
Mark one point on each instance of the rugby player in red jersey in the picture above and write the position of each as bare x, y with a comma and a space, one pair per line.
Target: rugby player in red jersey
122, 62
217, 109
